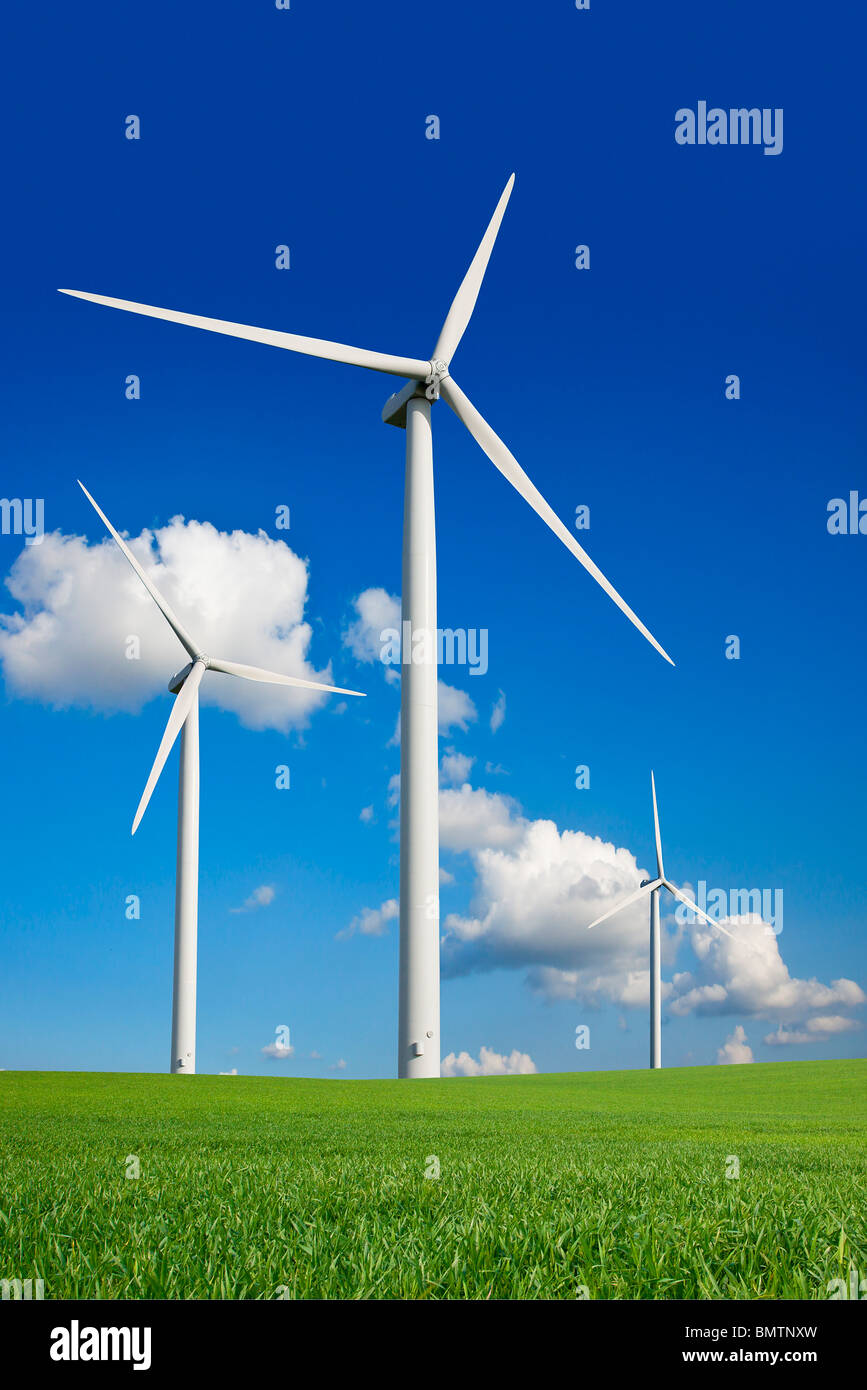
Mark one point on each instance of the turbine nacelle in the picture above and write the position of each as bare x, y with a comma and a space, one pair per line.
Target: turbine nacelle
394, 410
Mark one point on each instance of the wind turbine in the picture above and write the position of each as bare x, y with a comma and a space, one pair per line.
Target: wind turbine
410, 408
184, 719
652, 886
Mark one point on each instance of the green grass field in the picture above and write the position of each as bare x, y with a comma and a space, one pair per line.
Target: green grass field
268, 1188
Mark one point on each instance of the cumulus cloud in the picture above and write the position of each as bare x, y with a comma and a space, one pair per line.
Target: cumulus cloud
260, 897
815, 1030
233, 1072
371, 921
277, 1051
490, 1063
375, 610
455, 709
535, 891
735, 1049
455, 767
366, 815
474, 819
749, 976
242, 596
537, 888
498, 713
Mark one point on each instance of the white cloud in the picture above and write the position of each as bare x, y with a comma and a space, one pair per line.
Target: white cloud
366, 815
339, 1065
490, 1063
371, 921
815, 1030
260, 897
473, 819
393, 795
233, 1072
826, 1025
735, 1050
749, 976
455, 767
241, 596
536, 889
498, 713
621, 984
278, 1052
376, 610
455, 709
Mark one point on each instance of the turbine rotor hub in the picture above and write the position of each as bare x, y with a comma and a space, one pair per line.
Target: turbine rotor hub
439, 370
179, 677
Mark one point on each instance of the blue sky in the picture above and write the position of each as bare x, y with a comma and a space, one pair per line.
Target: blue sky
307, 128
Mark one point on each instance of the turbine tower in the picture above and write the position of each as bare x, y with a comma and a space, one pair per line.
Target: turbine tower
410, 408
184, 719
652, 886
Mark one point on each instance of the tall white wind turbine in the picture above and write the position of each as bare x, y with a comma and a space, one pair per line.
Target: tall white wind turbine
410, 408
184, 720
651, 887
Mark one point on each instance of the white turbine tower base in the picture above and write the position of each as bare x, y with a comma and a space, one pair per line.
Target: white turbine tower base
184, 720
651, 887
418, 1028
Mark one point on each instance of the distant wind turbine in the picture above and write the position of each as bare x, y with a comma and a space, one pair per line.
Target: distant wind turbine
652, 886
410, 408
184, 719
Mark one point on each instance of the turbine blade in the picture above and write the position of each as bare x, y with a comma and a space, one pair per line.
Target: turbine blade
501, 458
180, 709
255, 673
174, 623
659, 869
694, 907
311, 347
464, 301
639, 893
